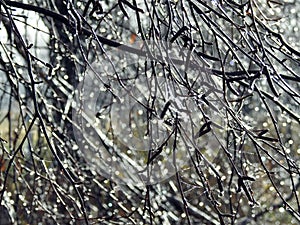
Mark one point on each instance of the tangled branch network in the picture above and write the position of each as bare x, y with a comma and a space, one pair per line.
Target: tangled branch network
149, 112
